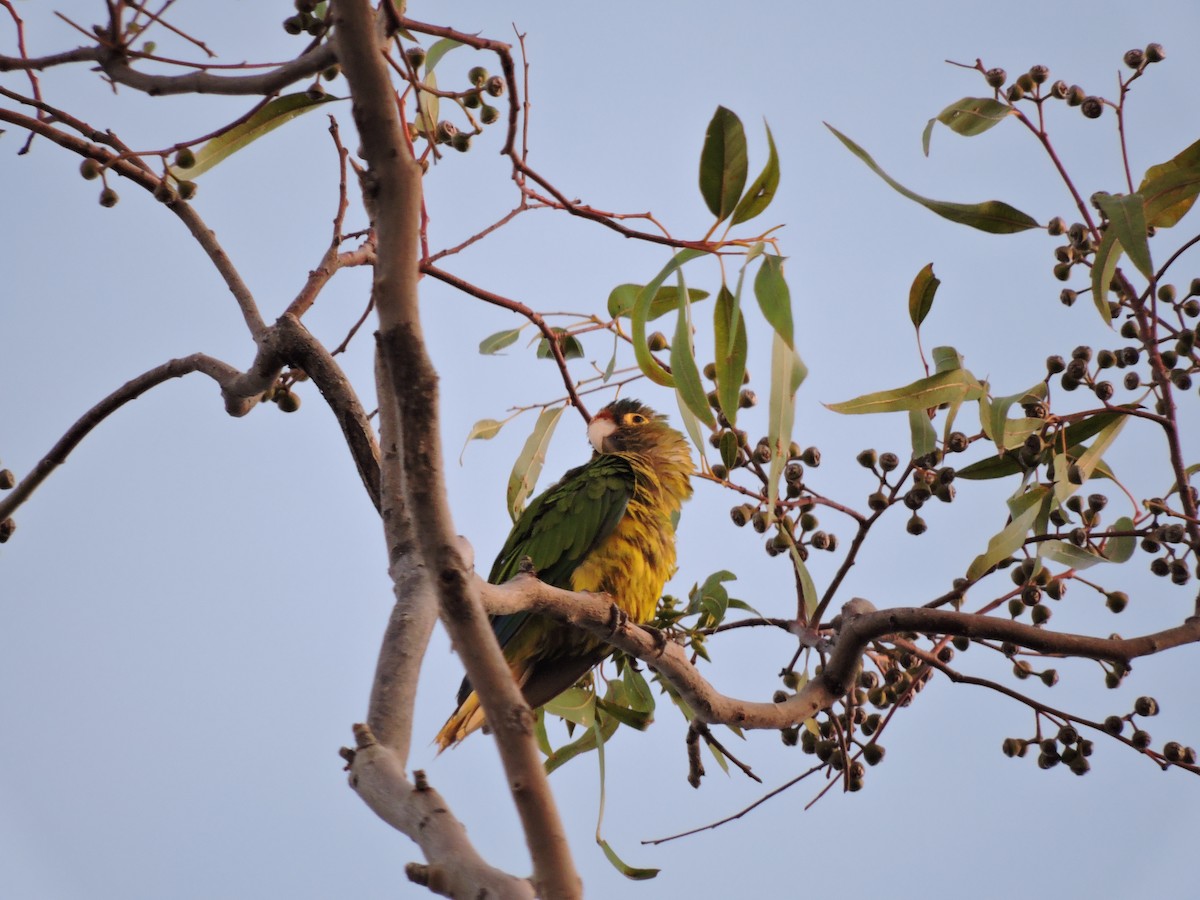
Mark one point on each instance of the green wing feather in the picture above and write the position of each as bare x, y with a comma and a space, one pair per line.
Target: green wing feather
559, 528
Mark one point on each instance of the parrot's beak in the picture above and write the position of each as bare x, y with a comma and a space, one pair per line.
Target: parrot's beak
600, 428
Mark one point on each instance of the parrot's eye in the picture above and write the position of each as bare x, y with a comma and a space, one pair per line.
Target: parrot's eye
635, 419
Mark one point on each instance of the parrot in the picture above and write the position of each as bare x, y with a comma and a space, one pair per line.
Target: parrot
606, 526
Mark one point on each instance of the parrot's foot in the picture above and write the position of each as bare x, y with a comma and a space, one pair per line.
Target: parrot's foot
659, 636
617, 618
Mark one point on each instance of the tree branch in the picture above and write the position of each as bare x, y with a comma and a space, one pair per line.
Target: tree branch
392, 192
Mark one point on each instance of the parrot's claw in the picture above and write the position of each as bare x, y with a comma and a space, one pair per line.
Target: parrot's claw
659, 637
617, 618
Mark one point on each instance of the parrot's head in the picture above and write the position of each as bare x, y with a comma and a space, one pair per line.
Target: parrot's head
628, 426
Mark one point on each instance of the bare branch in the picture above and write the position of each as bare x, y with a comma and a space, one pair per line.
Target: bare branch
220, 372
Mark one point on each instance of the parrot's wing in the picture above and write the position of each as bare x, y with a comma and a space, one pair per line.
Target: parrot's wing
559, 528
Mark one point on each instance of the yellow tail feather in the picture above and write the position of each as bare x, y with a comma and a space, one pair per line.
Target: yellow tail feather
467, 718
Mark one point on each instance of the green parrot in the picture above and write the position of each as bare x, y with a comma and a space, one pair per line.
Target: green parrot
608, 525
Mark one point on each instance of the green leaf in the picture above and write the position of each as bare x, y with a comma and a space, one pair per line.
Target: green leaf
575, 705
924, 436
1001, 466
539, 733
634, 718
1170, 188
1120, 549
787, 373
1068, 554
666, 299
571, 348
439, 49
974, 115
641, 311
1104, 266
1127, 221
992, 216
683, 363
428, 106
944, 387
808, 590
762, 191
730, 352
946, 359
483, 430
996, 424
494, 343
927, 134
920, 295
1086, 461
774, 298
712, 600
632, 872
620, 865
1025, 511
723, 163
528, 466
692, 426
638, 690
585, 743
271, 116
612, 361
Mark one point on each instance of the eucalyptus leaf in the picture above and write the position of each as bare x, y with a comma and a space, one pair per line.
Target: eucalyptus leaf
666, 299
1025, 512
1170, 188
273, 114
683, 363
494, 343
921, 294
723, 163
762, 191
774, 298
974, 115
730, 352
924, 435
934, 390
641, 310
483, 430
528, 466
1127, 221
992, 216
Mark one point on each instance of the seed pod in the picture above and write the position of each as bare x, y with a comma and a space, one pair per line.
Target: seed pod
488, 114
995, 77
1155, 53
1039, 74
888, 461
494, 86
477, 76
1092, 107
1134, 58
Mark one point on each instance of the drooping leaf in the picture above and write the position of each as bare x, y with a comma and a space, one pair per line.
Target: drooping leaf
924, 435
483, 430
1025, 511
640, 697
927, 134
692, 426
666, 299
946, 359
683, 363
631, 872
996, 423
605, 725
723, 163
1127, 221
641, 311
529, 463
712, 599
924, 393
494, 343
1104, 266
1120, 549
730, 352
974, 115
1170, 188
437, 50
271, 116
920, 295
1068, 554
1086, 462
787, 373
762, 191
1001, 466
808, 589
571, 348
992, 216
774, 298
575, 705
428, 106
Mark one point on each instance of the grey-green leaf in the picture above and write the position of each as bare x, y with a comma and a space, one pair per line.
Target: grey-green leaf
974, 115
934, 390
528, 466
992, 216
723, 163
762, 191
494, 343
1170, 188
774, 298
920, 295
271, 116
1127, 220
666, 299
730, 352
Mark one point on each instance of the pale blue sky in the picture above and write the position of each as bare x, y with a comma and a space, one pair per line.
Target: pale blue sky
191, 607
